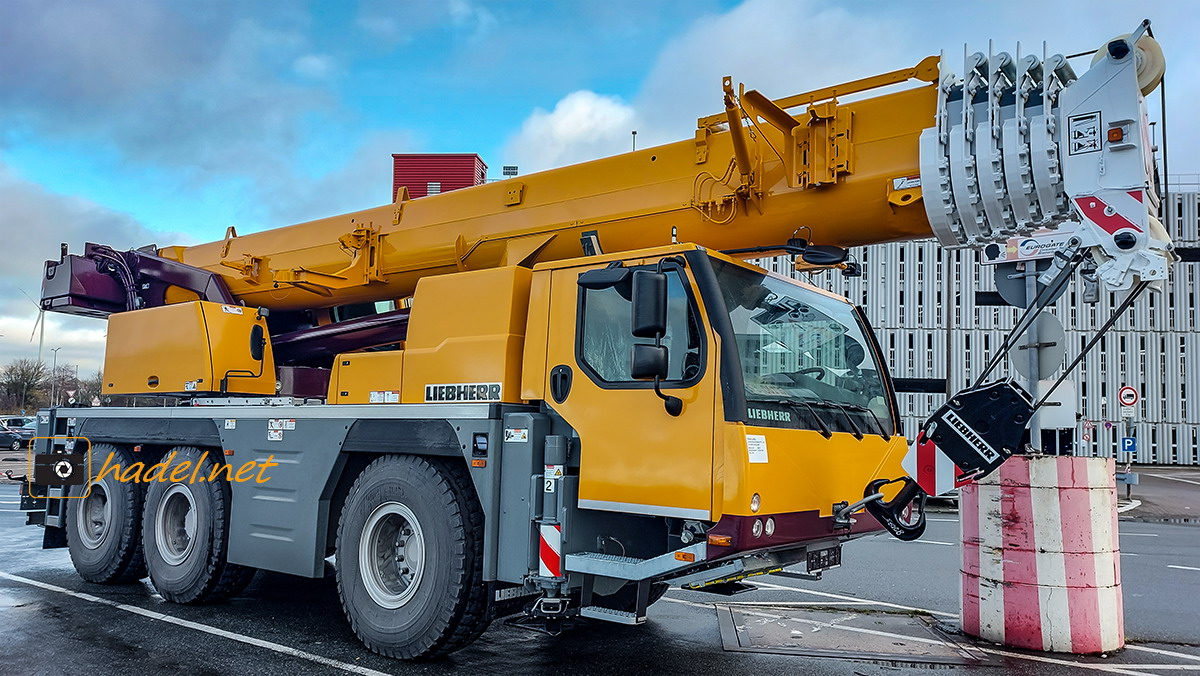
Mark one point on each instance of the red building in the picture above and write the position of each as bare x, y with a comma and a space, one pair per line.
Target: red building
433, 173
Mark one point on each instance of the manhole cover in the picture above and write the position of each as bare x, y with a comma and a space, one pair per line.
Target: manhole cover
844, 634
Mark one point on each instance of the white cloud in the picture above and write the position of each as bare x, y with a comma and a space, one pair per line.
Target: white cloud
33, 221
81, 340
314, 66
472, 16
354, 186
583, 126
783, 47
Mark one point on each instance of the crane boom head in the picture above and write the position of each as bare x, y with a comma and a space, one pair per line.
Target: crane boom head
1021, 144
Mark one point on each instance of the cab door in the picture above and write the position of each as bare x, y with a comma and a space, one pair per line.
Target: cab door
635, 457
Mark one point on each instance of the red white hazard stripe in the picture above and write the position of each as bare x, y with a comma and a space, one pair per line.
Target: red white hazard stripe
1041, 562
1108, 215
935, 473
550, 550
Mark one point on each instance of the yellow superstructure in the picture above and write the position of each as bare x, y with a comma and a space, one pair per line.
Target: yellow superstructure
194, 346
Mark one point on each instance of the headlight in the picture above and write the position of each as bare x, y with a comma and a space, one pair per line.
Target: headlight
754, 503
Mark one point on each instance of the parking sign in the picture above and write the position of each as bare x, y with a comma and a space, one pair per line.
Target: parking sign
1129, 444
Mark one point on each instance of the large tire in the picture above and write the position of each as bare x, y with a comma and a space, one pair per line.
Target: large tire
104, 527
410, 558
185, 533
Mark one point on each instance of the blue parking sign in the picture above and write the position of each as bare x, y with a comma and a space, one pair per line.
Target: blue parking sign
1129, 444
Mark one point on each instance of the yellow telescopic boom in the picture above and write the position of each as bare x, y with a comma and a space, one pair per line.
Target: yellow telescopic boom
835, 173
1012, 146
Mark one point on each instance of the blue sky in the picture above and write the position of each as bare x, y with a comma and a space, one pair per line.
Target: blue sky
402, 76
137, 121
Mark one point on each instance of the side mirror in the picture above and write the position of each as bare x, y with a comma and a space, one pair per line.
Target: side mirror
257, 342
823, 254
648, 362
649, 304
619, 278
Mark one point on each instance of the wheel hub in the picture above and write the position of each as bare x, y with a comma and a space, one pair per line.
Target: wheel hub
175, 524
391, 555
94, 516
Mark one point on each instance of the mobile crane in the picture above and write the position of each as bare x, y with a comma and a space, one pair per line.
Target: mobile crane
563, 392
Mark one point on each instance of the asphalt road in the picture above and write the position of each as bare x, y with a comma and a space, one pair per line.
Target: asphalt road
51, 622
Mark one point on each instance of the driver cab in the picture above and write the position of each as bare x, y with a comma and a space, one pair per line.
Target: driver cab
664, 363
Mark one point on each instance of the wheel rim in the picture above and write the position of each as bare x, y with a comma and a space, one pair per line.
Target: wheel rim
16, 445
175, 524
391, 555
94, 516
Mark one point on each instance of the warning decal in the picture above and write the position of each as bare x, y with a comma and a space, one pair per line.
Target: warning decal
756, 448
1083, 133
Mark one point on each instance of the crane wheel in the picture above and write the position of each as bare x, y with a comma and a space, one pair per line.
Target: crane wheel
185, 533
410, 558
104, 526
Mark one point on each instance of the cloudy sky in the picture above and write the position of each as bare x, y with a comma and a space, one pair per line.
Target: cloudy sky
130, 122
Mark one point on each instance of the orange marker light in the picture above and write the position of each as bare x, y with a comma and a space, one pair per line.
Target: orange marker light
685, 556
229, 451
1116, 135
720, 540
479, 462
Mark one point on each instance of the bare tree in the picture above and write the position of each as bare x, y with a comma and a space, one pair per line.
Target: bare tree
62, 380
22, 381
89, 387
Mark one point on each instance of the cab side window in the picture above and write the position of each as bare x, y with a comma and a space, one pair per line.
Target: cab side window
605, 340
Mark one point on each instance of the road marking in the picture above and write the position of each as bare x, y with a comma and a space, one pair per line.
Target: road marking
797, 604
1128, 554
1108, 668
1183, 567
1163, 667
1174, 478
946, 520
1139, 535
824, 625
935, 542
1134, 504
842, 597
1160, 651
207, 629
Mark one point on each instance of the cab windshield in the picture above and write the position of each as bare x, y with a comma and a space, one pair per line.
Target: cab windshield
805, 358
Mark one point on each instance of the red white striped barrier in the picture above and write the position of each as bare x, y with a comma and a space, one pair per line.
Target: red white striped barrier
550, 550
1041, 562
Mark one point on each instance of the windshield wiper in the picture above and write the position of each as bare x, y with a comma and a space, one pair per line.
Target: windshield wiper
855, 407
857, 430
826, 430
874, 418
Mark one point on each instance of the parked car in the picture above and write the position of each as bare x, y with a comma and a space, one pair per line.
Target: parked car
15, 421
10, 440
27, 430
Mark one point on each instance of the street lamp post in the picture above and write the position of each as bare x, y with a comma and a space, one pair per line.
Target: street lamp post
53, 382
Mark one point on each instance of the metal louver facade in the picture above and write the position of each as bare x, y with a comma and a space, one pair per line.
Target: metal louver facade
1155, 346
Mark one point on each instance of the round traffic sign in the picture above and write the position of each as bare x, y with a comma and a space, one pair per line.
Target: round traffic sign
1127, 395
1053, 339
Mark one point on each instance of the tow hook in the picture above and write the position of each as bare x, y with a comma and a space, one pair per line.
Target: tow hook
549, 607
891, 513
